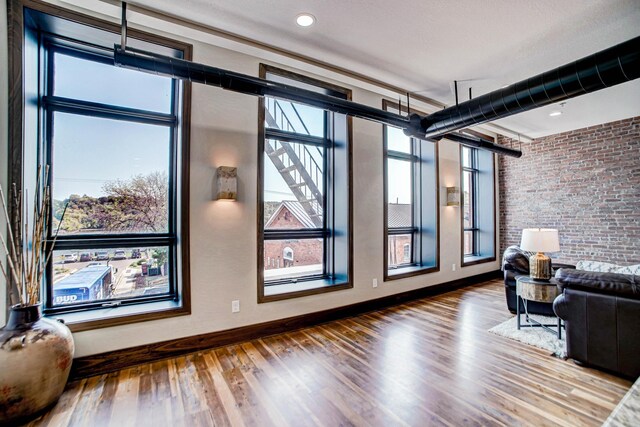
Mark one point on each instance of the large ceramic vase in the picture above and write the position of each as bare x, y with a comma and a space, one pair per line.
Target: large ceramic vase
35, 359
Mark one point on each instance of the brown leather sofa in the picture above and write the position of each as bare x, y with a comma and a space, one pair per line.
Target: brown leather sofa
601, 312
516, 263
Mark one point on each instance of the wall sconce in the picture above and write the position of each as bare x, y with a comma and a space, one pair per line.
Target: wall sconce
453, 196
227, 183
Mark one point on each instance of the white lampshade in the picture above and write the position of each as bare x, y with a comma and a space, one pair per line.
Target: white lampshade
540, 240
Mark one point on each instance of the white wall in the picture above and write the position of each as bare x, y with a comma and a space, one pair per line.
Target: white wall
3, 138
223, 235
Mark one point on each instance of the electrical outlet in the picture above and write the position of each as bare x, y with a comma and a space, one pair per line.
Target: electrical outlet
453, 267
375, 283
235, 306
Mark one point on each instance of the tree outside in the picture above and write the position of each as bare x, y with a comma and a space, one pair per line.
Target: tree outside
139, 204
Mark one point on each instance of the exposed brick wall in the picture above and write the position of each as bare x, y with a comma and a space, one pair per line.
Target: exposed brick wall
585, 183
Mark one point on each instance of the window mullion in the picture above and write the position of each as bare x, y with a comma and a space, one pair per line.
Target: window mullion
106, 111
75, 243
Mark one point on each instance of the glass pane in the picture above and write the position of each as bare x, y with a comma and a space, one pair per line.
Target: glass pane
89, 275
468, 243
466, 157
293, 185
397, 140
399, 181
289, 259
399, 215
400, 249
294, 117
92, 81
112, 175
467, 195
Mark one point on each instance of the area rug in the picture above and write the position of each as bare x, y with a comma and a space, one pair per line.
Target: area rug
537, 337
627, 413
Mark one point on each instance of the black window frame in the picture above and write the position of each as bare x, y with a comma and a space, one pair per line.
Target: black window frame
411, 230
422, 261
483, 206
52, 104
325, 144
45, 29
328, 280
473, 171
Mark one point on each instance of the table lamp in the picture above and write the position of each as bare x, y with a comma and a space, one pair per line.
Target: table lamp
540, 240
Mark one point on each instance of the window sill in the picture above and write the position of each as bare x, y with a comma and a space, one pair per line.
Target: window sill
409, 271
114, 316
476, 259
301, 289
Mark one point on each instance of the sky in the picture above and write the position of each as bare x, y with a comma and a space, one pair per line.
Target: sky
89, 151
398, 171
275, 188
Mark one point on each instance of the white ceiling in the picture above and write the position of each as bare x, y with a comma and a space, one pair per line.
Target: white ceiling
423, 45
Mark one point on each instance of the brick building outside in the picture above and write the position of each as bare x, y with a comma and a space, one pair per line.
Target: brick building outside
399, 245
308, 253
289, 215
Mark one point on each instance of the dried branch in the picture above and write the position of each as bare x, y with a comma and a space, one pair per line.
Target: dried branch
12, 240
27, 257
55, 237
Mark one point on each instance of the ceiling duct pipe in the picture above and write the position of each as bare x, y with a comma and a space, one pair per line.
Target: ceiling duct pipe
483, 144
609, 67
242, 83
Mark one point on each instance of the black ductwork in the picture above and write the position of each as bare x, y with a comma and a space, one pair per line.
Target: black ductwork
606, 68
482, 144
242, 83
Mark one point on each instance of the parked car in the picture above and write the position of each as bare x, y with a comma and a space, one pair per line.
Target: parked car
95, 263
102, 255
70, 258
85, 256
119, 255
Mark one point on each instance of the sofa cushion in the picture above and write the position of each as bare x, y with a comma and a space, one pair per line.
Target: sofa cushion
605, 267
616, 284
517, 259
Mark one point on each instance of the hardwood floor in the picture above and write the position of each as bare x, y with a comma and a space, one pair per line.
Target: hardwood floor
428, 362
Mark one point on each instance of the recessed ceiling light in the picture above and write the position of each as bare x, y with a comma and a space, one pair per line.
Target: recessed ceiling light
555, 113
305, 19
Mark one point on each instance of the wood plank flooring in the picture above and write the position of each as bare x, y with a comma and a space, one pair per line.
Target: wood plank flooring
428, 362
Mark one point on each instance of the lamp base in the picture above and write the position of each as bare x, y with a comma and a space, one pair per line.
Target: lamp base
540, 267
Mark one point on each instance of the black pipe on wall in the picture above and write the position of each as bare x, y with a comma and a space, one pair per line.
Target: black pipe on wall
609, 67
242, 83
482, 144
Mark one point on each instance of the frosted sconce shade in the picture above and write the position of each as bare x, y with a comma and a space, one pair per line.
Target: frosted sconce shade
453, 196
227, 183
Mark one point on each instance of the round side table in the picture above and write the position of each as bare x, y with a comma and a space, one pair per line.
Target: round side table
528, 289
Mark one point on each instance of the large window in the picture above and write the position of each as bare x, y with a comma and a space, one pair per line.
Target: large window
469, 204
478, 205
411, 203
113, 141
304, 193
